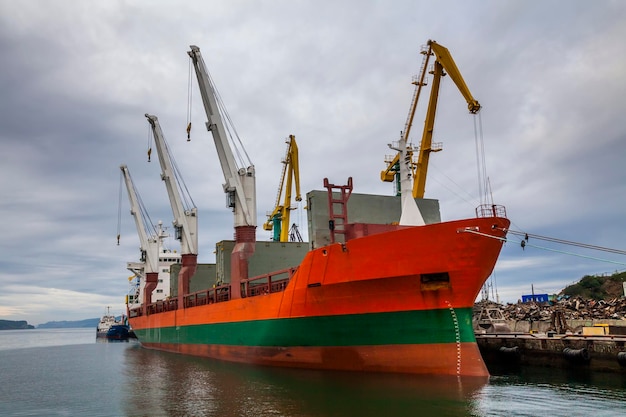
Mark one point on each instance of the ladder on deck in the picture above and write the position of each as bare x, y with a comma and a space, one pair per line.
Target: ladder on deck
337, 221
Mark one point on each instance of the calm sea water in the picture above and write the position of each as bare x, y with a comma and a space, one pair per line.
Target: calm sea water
66, 372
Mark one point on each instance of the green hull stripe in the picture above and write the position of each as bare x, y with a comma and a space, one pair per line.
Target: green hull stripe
406, 327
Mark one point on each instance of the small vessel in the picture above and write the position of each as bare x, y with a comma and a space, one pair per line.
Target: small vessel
118, 332
105, 323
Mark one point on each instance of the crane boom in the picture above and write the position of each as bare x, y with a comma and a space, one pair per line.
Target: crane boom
443, 61
239, 182
279, 219
392, 171
149, 244
185, 220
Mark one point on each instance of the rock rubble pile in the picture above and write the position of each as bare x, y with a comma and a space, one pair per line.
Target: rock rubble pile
574, 308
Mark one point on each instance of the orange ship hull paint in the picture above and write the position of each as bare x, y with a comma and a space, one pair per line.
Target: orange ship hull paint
428, 276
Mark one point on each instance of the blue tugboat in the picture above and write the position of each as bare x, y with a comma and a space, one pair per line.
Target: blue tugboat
118, 332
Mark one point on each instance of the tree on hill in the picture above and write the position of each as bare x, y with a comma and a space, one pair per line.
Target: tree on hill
598, 287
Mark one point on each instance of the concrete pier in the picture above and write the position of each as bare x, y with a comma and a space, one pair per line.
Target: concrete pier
601, 353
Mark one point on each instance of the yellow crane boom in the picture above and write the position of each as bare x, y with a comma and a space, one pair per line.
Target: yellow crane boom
443, 61
278, 219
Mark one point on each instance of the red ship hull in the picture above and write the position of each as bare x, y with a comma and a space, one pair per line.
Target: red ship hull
395, 301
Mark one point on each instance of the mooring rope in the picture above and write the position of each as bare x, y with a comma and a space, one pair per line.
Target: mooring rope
524, 243
574, 254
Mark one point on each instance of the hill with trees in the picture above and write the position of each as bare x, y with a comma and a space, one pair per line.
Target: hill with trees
597, 287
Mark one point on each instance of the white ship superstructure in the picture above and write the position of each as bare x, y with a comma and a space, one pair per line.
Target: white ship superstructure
137, 282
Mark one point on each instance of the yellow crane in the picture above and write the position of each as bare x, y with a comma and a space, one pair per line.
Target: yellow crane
278, 220
443, 61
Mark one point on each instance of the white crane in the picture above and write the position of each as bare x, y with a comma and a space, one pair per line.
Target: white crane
240, 182
150, 245
185, 215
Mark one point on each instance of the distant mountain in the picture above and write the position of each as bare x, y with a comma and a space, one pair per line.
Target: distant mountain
69, 324
15, 325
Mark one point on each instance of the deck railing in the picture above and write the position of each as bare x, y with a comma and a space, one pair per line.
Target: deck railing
268, 283
490, 210
264, 284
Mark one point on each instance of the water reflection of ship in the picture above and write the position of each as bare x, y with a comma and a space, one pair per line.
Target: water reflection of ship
163, 383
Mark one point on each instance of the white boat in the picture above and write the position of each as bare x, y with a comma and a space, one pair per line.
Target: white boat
105, 323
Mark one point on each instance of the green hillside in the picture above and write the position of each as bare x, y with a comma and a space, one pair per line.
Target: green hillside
605, 287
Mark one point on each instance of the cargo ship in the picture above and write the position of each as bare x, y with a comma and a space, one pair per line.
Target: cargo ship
373, 290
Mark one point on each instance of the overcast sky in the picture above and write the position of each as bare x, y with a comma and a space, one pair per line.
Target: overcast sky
77, 78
